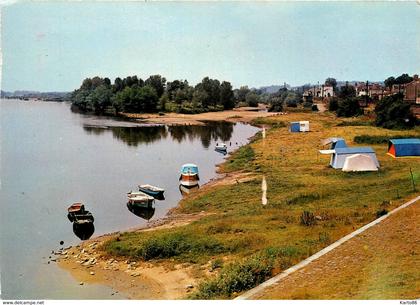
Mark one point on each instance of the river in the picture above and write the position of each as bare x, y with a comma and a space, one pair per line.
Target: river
52, 157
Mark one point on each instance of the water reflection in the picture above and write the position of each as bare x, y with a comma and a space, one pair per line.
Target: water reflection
143, 212
184, 190
84, 231
133, 136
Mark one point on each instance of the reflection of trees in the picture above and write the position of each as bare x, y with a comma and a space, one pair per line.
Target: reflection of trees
133, 136
207, 133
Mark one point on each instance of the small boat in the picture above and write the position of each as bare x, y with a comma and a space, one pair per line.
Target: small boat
221, 147
83, 218
77, 212
151, 190
189, 175
140, 199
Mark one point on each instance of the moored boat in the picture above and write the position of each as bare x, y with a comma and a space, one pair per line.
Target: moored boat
151, 190
189, 175
140, 199
185, 190
78, 214
221, 147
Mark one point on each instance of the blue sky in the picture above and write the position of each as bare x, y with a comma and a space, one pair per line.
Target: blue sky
53, 46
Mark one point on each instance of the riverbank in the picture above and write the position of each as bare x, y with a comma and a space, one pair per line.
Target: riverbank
237, 242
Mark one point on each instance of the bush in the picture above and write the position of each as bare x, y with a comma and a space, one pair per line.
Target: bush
381, 213
393, 113
367, 139
307, 218
349, 107
236, 277
333, 105
307, 105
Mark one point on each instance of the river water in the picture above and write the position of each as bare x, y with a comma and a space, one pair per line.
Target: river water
52, 157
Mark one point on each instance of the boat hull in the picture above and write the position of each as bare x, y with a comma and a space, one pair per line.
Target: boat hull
189, 180
156, 194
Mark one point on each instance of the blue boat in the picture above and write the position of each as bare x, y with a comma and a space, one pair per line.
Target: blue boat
151, 190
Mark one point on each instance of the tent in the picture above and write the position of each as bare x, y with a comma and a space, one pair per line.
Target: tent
335, 142
300, 126
359, 163
339, 155
404, 147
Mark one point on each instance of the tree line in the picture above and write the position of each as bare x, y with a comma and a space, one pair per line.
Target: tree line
155, 94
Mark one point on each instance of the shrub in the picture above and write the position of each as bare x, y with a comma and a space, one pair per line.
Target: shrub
393, 113
236, 277
349, 107
333, 105
307, 218
367, 139
381, 213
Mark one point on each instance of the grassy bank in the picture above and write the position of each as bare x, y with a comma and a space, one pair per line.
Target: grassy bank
242, 242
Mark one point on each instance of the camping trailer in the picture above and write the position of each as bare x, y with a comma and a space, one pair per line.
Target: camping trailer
404, 147
299, 126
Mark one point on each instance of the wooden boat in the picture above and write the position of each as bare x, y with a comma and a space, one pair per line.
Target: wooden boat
189, 175
83, 218
221, 147
78, 214
140, 199
151, 190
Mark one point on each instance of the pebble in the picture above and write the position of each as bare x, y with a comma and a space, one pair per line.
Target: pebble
92, 273
81, 283
189, 286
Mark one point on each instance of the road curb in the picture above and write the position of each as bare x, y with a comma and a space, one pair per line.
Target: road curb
317, 255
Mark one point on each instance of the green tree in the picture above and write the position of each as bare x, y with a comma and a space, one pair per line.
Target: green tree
157, 82
403, 79
330, 81
226, 95
393, 113
252, 99
347, 91
275, 104
389, 82
241, 93
349, 107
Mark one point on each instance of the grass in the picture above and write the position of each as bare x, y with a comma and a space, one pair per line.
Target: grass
240, 230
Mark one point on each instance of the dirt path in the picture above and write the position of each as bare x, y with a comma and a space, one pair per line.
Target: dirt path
381, 263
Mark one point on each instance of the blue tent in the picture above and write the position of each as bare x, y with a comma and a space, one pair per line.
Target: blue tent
340, 154
404, 147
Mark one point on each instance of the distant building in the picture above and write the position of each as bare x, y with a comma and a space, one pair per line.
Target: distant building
374, 91
319, 92
412, 91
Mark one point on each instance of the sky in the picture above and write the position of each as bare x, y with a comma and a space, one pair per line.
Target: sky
53, 46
